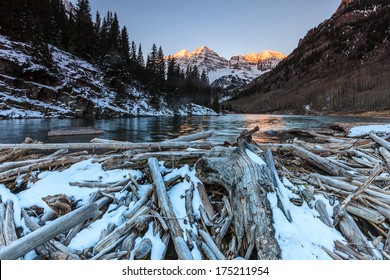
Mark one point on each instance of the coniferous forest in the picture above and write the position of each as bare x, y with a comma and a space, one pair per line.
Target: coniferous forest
102, 41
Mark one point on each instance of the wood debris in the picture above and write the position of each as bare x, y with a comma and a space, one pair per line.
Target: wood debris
234, 219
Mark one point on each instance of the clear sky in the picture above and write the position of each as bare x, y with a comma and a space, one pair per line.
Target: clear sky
226, 26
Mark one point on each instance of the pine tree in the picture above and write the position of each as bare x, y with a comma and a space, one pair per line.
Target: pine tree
125, 54
103, 41
133, 53
133, 61
83, 35
204, 79
172, 78
114, 34
39, 48
140, 57
160, 69
151, 70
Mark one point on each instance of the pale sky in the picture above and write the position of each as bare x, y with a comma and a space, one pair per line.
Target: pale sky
226, 26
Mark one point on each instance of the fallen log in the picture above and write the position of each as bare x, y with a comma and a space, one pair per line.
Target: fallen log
9, 231
72, 131
181, 247
38, 237
380, 141
210, 243
46, 164
193, 137
247, 179
151, 146
320, 162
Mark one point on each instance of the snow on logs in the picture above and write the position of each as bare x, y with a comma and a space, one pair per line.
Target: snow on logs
221, 209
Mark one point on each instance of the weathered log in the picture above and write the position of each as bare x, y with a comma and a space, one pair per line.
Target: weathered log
210, 243
321, 209
74, 131
2, 220
111, 146
176, 233
375, 172
128, 244
351, 188
366, 213
16, 164
193, 137
317, 161
141, 202
207, 251
107, 249
52, 249
41, 165
385, 154
353, 234
278, 184
142, 252
205, 201
387, 243
189, 194
38, 237
353, 253
170, 156
9, 231
121, 231
331, 254
165, 239
247, 179
380, 141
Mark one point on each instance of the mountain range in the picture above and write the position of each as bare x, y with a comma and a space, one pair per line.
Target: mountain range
342, 65
226, 74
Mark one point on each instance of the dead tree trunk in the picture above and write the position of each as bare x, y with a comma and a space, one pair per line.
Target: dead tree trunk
247, 179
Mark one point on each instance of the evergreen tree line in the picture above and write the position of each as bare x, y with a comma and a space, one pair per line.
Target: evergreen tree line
104, 43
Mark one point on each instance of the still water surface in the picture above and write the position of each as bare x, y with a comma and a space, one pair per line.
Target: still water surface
150, 129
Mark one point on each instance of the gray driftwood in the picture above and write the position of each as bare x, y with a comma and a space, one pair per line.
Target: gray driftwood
247, 183
181, 247
110, 146
40, 236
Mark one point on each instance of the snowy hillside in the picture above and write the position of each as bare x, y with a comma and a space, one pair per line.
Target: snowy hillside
228, 74
70, 88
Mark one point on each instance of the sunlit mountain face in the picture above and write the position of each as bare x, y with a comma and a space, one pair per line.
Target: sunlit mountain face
227, 74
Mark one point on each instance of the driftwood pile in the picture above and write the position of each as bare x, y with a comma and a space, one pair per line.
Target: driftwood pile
235, 216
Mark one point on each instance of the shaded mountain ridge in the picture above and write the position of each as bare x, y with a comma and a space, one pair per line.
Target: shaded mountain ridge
342, 65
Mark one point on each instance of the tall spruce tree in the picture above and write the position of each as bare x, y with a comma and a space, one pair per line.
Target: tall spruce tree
83, 35
160, 69
125, 55
140, 57
151, 70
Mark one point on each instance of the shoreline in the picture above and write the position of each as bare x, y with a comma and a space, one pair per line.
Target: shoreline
369, 114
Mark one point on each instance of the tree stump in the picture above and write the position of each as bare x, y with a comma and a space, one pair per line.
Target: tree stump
247, 179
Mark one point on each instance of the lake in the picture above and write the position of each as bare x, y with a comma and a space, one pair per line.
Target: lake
152, 129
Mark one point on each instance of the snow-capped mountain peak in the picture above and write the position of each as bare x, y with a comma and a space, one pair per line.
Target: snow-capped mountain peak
203, 50
182, 53
228, 74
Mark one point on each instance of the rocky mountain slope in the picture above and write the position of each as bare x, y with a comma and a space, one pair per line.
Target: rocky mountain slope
342, 65
228, 74
70, 87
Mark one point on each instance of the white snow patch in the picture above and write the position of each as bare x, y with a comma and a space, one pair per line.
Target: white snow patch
359, 131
